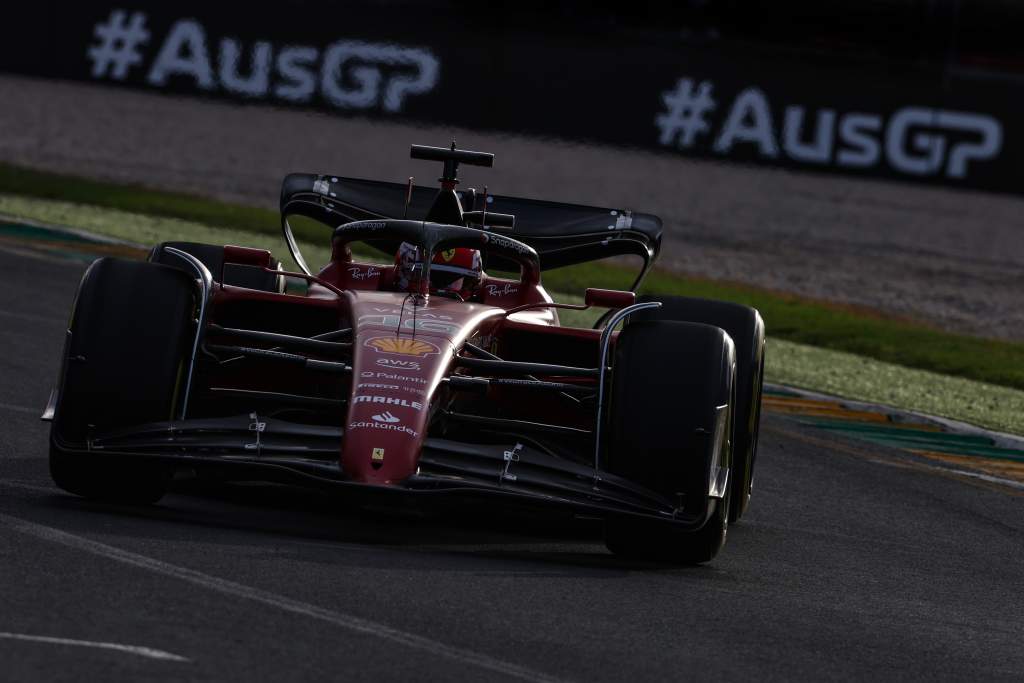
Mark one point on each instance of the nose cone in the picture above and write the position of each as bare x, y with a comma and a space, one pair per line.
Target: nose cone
394, 375
383, 436
399, 356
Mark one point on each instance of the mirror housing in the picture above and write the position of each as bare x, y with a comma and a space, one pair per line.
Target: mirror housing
247, 256
609, 298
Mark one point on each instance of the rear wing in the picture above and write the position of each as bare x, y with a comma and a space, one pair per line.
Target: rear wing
562, 234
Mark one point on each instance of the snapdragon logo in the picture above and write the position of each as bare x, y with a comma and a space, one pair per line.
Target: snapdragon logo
348, 74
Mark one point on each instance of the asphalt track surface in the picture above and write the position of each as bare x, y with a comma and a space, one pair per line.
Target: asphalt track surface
853, 563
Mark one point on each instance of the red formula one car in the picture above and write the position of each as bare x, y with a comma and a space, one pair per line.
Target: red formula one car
424, 378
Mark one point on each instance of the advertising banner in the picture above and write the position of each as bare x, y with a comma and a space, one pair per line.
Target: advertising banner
723, 102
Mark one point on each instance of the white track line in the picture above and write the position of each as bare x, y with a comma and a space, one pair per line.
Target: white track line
351, 623
20, 409
130, 649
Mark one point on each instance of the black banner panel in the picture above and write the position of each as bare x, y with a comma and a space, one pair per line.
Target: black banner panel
448, 64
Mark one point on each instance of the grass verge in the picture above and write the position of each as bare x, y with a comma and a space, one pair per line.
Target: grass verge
790, 318
149, 229
866, 379
44, 185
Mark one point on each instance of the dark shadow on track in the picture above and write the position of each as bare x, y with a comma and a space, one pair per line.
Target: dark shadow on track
295, 518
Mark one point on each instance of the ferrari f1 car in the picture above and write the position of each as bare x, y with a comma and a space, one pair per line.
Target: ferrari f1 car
426, 377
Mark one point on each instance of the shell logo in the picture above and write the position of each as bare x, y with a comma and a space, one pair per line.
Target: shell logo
402, 346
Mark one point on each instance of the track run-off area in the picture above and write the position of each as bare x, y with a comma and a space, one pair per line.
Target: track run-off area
856, 561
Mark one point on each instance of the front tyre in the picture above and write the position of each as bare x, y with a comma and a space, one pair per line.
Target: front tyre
670, 423
626, 538
746, 327
124, 362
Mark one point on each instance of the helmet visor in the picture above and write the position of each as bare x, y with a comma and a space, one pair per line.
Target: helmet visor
443, 276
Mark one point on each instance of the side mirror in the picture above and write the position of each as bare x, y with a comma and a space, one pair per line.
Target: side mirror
244, 256
609, 298
247, 257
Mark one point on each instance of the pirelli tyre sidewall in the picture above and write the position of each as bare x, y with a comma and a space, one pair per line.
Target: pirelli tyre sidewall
668, 380
746, 327
124, 361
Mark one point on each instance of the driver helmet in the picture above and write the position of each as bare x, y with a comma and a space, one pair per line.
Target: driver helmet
452, 271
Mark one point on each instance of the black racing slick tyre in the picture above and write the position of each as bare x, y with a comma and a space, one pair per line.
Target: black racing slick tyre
746, 327
212, 257
126, 353
672, 384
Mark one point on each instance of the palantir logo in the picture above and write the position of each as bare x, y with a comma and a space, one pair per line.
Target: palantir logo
348, 74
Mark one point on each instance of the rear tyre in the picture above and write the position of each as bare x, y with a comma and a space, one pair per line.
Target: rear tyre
124, 360
746, 327
212, 257
668, 381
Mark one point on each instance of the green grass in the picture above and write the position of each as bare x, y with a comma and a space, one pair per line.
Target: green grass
866, 379
148, 229
800, 320
44, 185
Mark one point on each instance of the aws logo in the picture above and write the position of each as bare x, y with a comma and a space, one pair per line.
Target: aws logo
396, 364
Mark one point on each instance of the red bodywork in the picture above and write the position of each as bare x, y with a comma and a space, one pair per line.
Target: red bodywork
400, 355
403, 348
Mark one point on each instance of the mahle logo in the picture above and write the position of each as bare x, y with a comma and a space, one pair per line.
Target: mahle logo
389, 401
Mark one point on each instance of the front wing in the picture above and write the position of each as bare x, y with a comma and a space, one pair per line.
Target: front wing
251, 448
